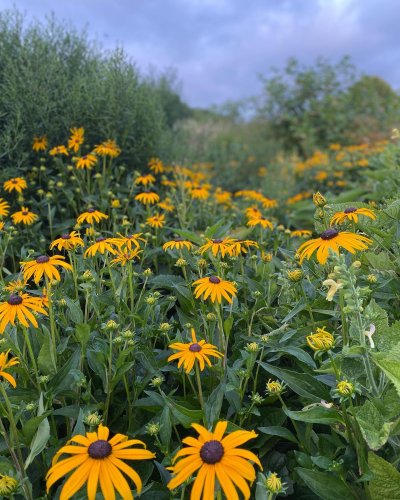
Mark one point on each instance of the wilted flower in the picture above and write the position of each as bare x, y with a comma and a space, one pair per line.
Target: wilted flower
333, 288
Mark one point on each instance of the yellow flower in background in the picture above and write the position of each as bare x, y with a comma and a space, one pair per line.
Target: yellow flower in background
156, 166
67, 241
331, 239
44, 266
199, 193
217, 246
86, 161
4, 208
166, 205
273, 483
321, 340
15, 286
214, 288
59, 150
107, 148
90, 216
193, 351
125, 256
24, 216
76, 139
351, 214
268, 202
301, 233
147, 198
8, 485
240, 247
6, 363
253, 212
17, 184
39, 143
215, 457
345, 388
178, 244
20, 307
274, 387
260, 221
101, 246
156, 221
98, 459
145, 180
129, 241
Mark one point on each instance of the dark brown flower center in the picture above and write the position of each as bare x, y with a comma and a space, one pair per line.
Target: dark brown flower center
66, 236
217, 241
195, 347
329, 234
14, 181
98, 240
43, 259
100, 449
349, 210
84, 157
177, 240
91, 210
214, 280
211, 452
25, 212
15, 300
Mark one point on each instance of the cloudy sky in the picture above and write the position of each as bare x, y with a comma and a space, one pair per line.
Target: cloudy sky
219, 47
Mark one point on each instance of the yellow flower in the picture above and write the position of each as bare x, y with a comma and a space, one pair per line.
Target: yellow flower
76, 139
319, 200
193, 351
218, 246
20, 307
156, 166
107, 148
15, 184
199, 193
90, 216
352, 214
145, 180
166, 205
240, 247
178, 244
124, 256
24, 216
98, 459
15, 286
101, 246
345, 388
274, 387
4, 206
332, 240
39, 143
44, 266
321, 340
222, 197
86, 161
302, 233
59, 150
67, 241
268, 202
214, 288
333, 288
295, 275
157, 221
266, 256
8, 485
253, 212
7, 363
147, 198
130, 241
273, 483
260, 221
216, 457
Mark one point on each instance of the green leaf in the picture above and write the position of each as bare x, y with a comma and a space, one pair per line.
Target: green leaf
386, 482
325, 485
316, 415
82, 332
79, 426
373, 427
389, 363
189, 235
41, 437
214, 404
300, 306
75, 310
279, 431
303, 384
30, 427
46, 362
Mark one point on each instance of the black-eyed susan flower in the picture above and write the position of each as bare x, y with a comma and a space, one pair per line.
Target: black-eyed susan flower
39, 143
321, 340
76, 139
199, 193
101, 246
351, 214
240, 247
98, 459
4, 208
156, 221
178, 244
24, 216
6, 363
260, 221
86, 161
145, 180
301, 233
166, 205
274, 387
44, 266
268, 202
216, 457
59, 150
8, 485
217, 246
156, 166
222, 197
253, 212
15, 286
273, 483
193, 351
130, 241
331, 239
125, 256
67, 241
90, 216
107, 148
20, 307
147, 197
17, 184
214, 288
345, 389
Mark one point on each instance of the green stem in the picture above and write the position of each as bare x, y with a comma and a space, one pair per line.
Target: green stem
200, 391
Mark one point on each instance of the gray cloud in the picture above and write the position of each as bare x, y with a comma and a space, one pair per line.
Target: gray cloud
219, 46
